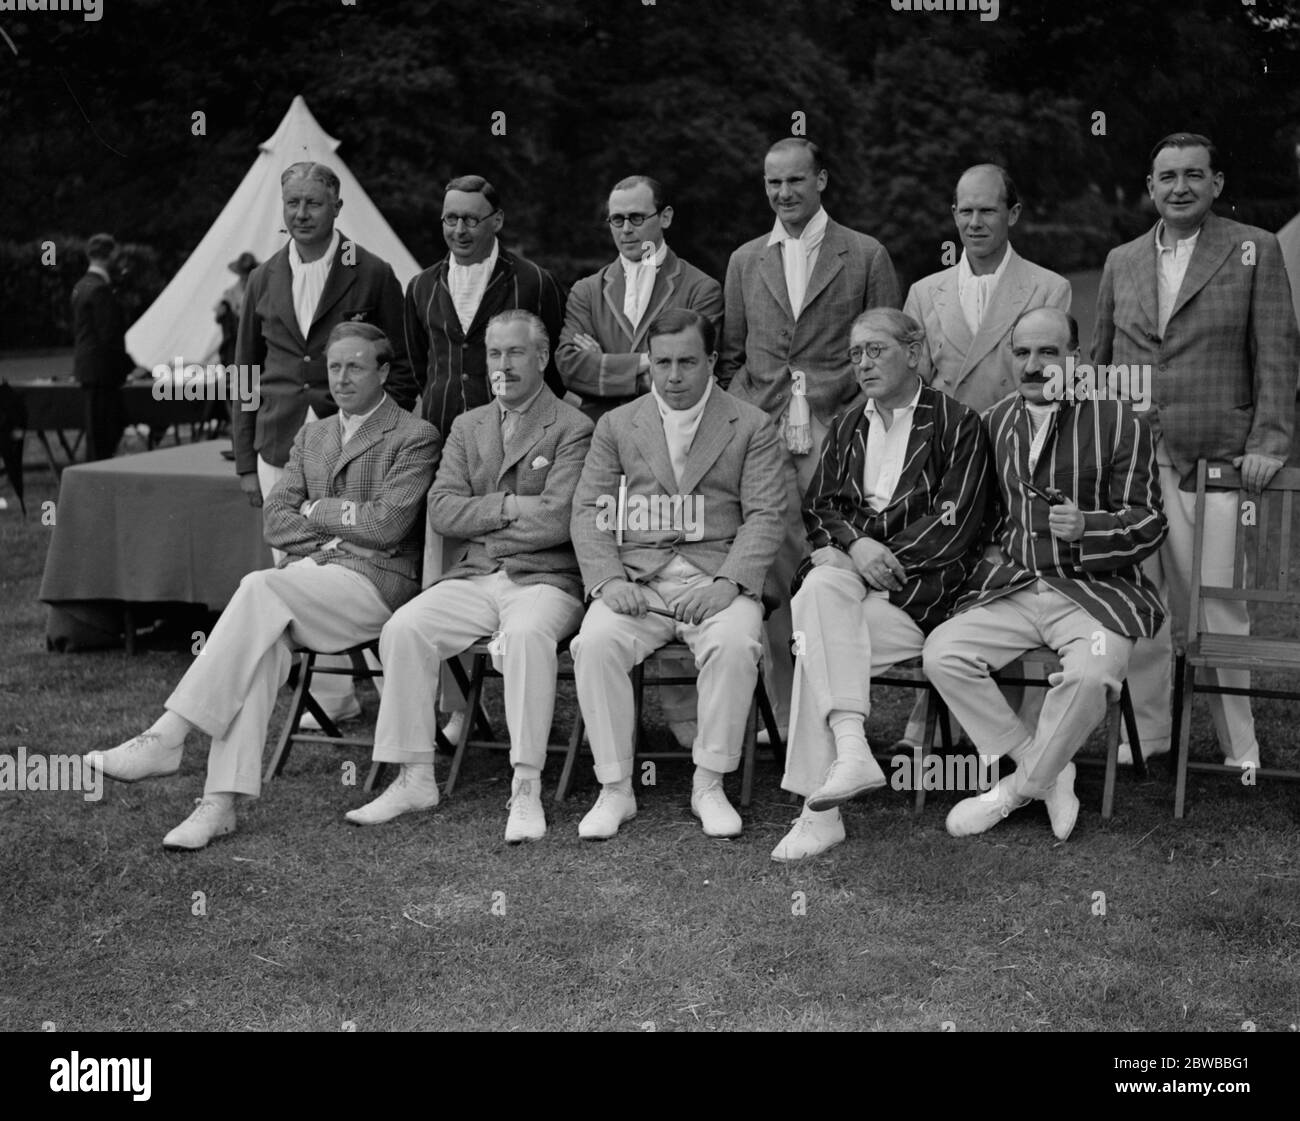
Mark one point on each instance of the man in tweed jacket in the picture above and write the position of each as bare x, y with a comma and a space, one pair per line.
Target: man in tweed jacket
1204, 303
894, 514
505, 488
1079, 510
347, 513
680, 551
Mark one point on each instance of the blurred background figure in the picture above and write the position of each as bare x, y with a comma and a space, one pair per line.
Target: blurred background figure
100, 361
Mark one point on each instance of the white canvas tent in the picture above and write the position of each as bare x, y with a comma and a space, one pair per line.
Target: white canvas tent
180, 321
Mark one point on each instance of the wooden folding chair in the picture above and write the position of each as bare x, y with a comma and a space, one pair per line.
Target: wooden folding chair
1255, 579
910, 675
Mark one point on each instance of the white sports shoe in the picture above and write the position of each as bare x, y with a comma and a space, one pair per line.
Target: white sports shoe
527, 820
611, 810
207, 822
405, 794
710, 805
810, 836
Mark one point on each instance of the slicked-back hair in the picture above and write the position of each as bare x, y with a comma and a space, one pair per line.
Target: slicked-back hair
676, 320
314, 172
536, 328
355, 329
631, 182
1009, 191
1185, 140
100, 247
1070, 321
474, 185
800, 144
901, 326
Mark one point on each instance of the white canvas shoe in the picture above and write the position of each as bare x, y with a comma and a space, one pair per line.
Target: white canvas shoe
207, 822
1063, 804
350, 711
141, 757
611, 810
847, 779
527, 820
716, 814
405, 794
811, 836
983, 811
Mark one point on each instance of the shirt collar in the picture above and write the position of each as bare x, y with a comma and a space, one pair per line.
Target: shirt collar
486, 265
355, 420
295, 258
522, 409
99, 270
873, 411
965, 273
681, 416
1190, 242
660, 254
815, 228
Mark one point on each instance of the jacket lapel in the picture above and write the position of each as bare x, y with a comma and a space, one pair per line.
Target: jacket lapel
664, 287
490, 304
830, 263
370, 433
341, 277
952, 319
1143, 267
488, 442
615, 288
648, 435
528, 431
279, 290
1009, 300
918, 448
1212, 248
772, 271
714, 433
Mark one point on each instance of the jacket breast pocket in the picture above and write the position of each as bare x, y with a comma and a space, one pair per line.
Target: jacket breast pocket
359, 313
531, 480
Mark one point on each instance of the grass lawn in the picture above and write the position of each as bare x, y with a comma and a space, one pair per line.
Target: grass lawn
432, 922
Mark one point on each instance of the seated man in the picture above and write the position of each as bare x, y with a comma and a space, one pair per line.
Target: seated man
680, 550
894, 514
347, 514
506, 487
1079, 511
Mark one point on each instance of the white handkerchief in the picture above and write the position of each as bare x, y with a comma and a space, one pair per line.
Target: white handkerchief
540, 462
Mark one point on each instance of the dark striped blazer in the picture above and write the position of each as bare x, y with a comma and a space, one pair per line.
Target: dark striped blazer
934, 519
1100, 454
450, 363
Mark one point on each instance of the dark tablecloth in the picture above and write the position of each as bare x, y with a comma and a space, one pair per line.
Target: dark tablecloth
60, 405
169, 526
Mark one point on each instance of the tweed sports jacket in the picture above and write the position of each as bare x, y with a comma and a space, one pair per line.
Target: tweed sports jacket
542, 461
936, 515
1224, 371
371, 493
1100, 454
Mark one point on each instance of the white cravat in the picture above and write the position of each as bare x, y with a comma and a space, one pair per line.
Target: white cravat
975, 293
639, 282
1171, 267
680, 426
1038, 415
886, 450
309, 281
467, 283
348, 423
799, 255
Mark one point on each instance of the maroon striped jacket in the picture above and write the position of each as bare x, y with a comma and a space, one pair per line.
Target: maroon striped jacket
934, 519
1101, 455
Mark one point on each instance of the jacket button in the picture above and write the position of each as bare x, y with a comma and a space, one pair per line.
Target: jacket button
306, 357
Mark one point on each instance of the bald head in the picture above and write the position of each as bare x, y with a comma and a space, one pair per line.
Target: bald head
985, 207
1041, 341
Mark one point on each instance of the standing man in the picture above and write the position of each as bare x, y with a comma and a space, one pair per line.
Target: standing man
967, 310
1061, 570
1203, 303
704, 474
603, 355
448, 305
293, 301
100, 361
506, 488
893, 516
790, 295
346, 513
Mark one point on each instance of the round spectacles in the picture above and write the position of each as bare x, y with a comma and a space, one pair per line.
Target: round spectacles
871, 350
471, 221
636, 221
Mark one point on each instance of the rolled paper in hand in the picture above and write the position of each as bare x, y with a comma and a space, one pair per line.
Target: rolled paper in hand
798, 422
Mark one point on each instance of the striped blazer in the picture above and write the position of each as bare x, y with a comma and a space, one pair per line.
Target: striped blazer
451, 363
1101, 455
1223, 373
369, 491
936, 514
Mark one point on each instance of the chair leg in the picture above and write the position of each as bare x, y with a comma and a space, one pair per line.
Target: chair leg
472, 695
638, 693
1176, 731
748, 750
570, 757
1131, 726
918, 753
376, 772
1188, 683
1112, 759
280, 756
769, 719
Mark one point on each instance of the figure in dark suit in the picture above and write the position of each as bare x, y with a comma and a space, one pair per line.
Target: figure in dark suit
292, 303
790, 296
505, 489
894, 516
1201, 303
100, 361
346, 514
603, 355
1078, 505
448, 306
